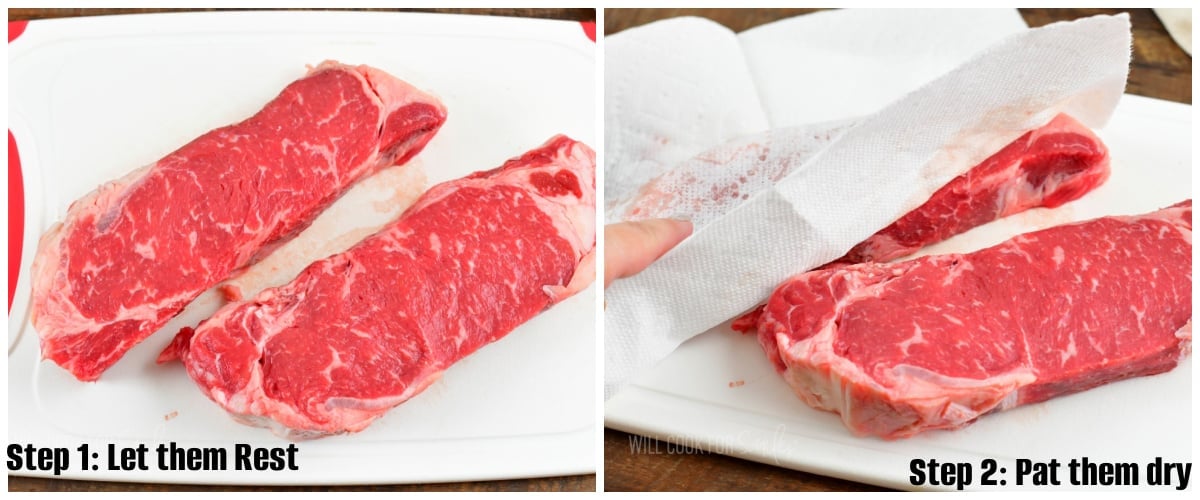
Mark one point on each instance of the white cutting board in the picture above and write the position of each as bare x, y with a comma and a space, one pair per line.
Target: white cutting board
93, 98
718, 391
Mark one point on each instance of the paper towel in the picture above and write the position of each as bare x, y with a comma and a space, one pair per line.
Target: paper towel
885, 166
672, 89
677, 87
839, 64
711, 183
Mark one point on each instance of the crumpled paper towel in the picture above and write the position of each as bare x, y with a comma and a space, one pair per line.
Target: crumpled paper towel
886, 165
677, 87
706, 97
704, 187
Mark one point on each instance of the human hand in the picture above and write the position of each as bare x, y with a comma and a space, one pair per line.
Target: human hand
630, 247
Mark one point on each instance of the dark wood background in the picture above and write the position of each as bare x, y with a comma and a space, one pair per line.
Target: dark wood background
1159, 69
567, 483
567, 14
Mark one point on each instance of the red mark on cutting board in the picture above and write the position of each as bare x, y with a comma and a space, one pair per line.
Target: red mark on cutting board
15, 28
16, 216
589, 29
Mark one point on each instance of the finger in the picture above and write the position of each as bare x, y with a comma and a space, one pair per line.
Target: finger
629, 247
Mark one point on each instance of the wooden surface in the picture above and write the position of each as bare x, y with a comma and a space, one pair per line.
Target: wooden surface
568, 14
566, 483
1159, 69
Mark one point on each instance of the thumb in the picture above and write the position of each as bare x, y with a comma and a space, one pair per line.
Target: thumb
629, 247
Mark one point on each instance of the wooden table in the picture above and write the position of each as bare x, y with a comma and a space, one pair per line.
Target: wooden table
567, 14
566, 483
1159, 69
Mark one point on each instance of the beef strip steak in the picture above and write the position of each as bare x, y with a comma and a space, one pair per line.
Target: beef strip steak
936, 342
1046, 167
362, 331
130, 255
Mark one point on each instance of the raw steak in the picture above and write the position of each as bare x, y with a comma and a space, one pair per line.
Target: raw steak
935, 342
362, 331
133, 253
1046, 167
